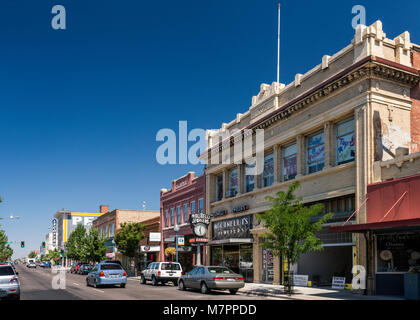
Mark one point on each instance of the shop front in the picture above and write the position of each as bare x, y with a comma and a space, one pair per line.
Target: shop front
232, 245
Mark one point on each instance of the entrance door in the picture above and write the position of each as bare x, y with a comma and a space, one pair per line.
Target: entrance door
267, 272
231, 257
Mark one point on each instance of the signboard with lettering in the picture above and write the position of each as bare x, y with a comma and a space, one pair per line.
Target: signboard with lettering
154, 236
240, 208
338, 283
300, 280
199, 223
181, 240
218, 213
233, 228
54, 233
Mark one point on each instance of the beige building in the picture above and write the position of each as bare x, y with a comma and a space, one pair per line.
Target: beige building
326, 129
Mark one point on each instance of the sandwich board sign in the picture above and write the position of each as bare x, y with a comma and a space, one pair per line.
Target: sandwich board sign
300, 280
338, 283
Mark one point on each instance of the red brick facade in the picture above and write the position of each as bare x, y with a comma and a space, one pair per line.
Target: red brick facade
415, 108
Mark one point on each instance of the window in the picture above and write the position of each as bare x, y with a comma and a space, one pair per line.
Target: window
289, 161
315, 152
345, 142
166, 218
249, 177
233, 182
112, 230
185, 212
111, 266
172, 217
268, 173
192, 207
219, 187
201, 205
106, 231
178, 215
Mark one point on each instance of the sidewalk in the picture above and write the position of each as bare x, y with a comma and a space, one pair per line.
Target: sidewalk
306, 293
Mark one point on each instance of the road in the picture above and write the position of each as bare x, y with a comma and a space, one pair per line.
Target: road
36, 284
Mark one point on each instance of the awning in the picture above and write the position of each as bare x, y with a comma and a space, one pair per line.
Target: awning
386, 226
231, 240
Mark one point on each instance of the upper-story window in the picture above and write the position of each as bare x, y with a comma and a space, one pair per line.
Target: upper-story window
201, 205
289, 161
185, 209
233, 182
172, 217
315, 152
166, 218
112, 230
178, 215
268, 173
219, 186
192, 207
106, 231
249, 177
345, 143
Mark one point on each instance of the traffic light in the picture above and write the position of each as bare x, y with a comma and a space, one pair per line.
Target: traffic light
22, 244
43, 244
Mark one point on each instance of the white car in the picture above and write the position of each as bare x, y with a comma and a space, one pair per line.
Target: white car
9, 282
162, 272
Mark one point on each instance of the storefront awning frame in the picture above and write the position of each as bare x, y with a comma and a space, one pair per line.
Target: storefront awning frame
231, 240
384, 226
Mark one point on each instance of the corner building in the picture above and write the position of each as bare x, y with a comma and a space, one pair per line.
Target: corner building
325, 129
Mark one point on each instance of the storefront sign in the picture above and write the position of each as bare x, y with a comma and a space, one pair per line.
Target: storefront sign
338, 283
232, 228
218, 213
240, 208
155, 236
181, 240
149, 248
54, 233
198, 240
199, 223
300, 280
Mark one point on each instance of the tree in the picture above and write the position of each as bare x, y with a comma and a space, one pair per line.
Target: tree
96, 249
32, 254
291, 225
170, 252
6, 251
77, 244
128, 238
53, 255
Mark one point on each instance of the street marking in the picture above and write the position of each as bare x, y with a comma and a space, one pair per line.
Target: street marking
98, 290
76, 284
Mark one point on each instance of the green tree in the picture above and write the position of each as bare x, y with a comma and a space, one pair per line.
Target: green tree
6, 251
95, 246
128, 238
53, 255
77, 244
32, 254
291, 225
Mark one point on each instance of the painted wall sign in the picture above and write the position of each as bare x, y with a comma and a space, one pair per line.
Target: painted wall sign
218, 213
240, 208
233, 228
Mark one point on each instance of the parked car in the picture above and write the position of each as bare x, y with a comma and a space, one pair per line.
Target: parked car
113, 261
75, 267
31, 264
9, 282
107, 274
46, 264
161, 272
206, 278
84, 269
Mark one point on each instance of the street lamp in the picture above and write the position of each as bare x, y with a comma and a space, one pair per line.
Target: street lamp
176, 229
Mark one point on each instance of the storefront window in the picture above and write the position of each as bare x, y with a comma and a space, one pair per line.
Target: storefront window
289, 156
249, 177
201, 205
398, 252
172, 217
185, 212
217, 256
315, 153
268, 173
219, 187
192, 207
178, 214
267, 273
346, 148
233, 182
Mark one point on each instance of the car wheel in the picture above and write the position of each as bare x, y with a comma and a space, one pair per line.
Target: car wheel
204, 288
154, 281
233, 291
181, 286
122, 285
87, 282
142, 280
94, 284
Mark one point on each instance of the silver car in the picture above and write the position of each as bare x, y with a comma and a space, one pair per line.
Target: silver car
9, 282
206, 278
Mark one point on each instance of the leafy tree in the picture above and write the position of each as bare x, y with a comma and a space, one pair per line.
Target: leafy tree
6, 251
170, 252
32, 254
77, 244
291, 225
96, 249
128, 238
53, 255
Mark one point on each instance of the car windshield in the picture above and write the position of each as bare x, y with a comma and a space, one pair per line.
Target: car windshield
220, 270
170, 266
6, 271
111, 266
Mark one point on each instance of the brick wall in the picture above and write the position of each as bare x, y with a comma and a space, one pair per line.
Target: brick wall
415, 108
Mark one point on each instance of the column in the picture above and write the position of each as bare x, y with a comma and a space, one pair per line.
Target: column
256, 257
277, 270
258, 177
225, 183
328, 145
277, 163
301, 155
241, 180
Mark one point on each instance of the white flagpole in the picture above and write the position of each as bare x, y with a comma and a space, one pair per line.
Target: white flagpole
278, 48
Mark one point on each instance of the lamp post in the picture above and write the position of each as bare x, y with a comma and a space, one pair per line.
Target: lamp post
176, 229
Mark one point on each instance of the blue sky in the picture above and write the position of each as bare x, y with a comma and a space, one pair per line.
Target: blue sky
80, 108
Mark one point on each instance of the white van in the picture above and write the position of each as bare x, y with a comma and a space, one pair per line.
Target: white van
162, 272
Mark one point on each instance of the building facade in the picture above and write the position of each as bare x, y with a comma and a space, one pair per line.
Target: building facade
110, 223
326, 130
187, 196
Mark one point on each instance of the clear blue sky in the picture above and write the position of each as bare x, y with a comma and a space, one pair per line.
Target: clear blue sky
80, 107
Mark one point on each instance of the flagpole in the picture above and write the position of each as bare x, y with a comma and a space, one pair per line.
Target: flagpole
278, 47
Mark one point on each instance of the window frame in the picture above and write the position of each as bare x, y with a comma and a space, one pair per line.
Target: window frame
251, 166
343, 135
283, 157
172, 216
185, 212
270, 154
178, 215
316, 163
229, 181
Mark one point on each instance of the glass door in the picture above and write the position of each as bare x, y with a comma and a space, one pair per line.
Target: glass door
267, 274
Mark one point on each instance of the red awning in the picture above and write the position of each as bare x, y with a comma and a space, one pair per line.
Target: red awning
362, 227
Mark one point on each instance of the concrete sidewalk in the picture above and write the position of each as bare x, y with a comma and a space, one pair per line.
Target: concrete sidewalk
306, 293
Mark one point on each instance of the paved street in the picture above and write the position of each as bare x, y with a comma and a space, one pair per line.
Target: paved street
36, 284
